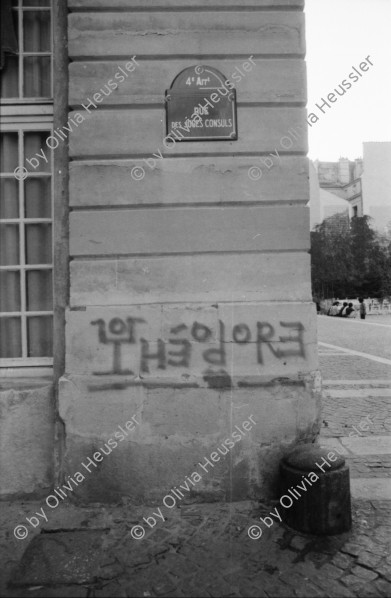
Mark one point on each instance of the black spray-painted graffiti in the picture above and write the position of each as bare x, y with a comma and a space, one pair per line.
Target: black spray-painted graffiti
176, 351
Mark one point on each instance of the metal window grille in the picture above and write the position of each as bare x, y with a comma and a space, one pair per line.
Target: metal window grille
26, 289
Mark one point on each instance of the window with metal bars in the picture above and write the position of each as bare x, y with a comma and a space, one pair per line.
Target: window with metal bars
26, 290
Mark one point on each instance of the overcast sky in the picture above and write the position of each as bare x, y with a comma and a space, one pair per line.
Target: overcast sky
341, 34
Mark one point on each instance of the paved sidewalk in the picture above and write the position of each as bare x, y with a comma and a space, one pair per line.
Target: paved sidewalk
354, 368
205, 550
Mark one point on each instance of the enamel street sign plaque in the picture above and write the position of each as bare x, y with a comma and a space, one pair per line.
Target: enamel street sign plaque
201, 106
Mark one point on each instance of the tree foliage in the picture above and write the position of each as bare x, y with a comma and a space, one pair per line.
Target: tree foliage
349, 259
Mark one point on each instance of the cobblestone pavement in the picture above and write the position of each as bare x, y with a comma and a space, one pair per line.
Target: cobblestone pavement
369, 466
204, 549
353, 367
339, 415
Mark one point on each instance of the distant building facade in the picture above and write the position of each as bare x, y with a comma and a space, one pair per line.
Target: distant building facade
356, 187
376, 183
325, 203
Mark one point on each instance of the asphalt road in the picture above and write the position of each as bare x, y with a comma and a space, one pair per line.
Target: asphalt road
371, 336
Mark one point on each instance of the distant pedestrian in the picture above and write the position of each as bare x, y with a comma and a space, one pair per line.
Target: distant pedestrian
334, 309
342, 311
350, 313
363, 309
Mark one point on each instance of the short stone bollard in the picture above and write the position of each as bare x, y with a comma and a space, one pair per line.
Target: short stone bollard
316, 482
